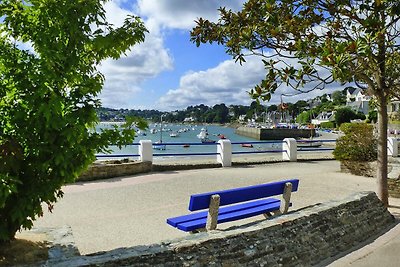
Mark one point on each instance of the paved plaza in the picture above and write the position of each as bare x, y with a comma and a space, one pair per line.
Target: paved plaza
129, 211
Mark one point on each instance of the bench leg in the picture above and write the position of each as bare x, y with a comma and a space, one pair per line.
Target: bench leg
198, 231
212, 217
271, 214
287, 192
286, 198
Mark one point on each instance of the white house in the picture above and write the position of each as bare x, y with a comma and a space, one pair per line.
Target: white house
241, 118
356, 94
394, 106
357, 100
189, 119
323, 117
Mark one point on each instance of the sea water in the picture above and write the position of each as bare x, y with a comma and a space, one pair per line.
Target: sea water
189, 137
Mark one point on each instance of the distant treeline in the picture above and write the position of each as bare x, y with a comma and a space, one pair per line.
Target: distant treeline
221, 113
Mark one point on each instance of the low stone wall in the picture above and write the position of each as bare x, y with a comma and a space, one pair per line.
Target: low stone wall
394, 187
188, 166
105, 170
313, 235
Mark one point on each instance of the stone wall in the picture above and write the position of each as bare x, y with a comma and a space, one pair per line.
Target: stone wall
306, 237
394, 187
274, 134
103, 170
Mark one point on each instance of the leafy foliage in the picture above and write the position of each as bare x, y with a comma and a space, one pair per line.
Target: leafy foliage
317, 43
346, 115
358, 143
304, 117
327, 125
372, 116
48, 99
344, 37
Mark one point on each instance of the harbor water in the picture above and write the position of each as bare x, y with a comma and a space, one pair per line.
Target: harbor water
187, 137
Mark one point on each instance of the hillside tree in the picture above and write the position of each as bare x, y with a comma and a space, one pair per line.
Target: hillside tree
317, 43
49, 87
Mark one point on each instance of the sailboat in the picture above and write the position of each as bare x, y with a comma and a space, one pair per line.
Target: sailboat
203, 136
159, 144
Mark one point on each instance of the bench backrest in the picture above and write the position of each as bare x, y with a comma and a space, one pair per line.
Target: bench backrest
236, 195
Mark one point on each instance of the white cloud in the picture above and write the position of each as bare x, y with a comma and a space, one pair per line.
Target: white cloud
229, 83
180, 14
144, 61
226, 83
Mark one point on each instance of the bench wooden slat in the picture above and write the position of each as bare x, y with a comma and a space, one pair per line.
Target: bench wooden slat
231, 196
231, 216
223, 210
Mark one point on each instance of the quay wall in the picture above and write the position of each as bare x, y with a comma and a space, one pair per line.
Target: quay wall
104, 170
274, 134
317, 234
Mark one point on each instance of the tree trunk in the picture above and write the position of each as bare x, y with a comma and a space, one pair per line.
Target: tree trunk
382, 168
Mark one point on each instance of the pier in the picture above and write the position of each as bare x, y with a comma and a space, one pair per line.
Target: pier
275, 133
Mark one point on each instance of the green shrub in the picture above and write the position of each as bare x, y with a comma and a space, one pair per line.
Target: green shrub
346, 114
328, 125
372, 116
358, 143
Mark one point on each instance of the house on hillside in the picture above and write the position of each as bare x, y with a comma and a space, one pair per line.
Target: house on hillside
242, 118
357, 100
325, 116
393, 109
189, 119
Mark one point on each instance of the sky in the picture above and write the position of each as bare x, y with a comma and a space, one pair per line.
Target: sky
167, 72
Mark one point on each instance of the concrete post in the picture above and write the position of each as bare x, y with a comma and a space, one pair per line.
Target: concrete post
290, 149
145, 150
224, 150
392, 146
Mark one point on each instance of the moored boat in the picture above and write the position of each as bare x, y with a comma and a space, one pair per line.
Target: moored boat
308, 143
159, 146
207, 140
247, 145
174, 134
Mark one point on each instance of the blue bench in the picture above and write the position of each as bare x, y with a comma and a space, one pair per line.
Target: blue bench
249, 201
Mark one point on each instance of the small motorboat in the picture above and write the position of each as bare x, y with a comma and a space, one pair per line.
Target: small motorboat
308, 143
247, 145
207, 141
159, 146
174, 134
186, 145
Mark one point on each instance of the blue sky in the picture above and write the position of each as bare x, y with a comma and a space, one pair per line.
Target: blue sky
167, 71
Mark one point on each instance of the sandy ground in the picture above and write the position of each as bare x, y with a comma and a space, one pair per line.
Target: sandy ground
132, 210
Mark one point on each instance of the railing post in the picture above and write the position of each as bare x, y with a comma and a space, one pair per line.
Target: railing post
145, 150
392, 147
289, 149
224, 150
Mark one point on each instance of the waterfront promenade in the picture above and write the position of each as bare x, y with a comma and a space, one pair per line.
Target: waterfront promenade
129, 211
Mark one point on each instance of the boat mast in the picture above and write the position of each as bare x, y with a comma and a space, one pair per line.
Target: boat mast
161, 127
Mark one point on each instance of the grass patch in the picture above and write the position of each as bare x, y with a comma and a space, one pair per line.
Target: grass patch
21, 251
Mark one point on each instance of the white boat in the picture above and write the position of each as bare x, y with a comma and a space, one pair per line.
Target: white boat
174, 134
308, 143
159, 146
203, 134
